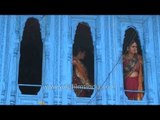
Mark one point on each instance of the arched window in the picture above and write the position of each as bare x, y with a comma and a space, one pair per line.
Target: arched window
30, 66
83, 61
133, 65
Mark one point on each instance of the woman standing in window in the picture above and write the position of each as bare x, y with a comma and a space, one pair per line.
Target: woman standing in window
80, 74
132, 68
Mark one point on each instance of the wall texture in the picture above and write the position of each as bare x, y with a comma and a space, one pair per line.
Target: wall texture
58, 33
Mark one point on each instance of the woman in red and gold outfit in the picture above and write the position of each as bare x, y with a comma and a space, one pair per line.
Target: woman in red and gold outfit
80, 75
132, 67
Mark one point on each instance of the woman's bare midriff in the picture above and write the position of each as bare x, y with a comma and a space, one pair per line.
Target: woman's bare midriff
134, 74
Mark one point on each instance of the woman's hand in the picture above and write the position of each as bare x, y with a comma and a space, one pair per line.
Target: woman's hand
74, 62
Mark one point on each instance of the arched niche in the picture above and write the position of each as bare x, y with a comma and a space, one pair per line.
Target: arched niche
30, 64
83, 61
133, 74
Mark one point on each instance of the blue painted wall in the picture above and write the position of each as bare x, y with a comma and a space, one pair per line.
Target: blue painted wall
58, 33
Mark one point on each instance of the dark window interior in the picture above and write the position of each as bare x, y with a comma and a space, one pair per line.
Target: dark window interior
30, 66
